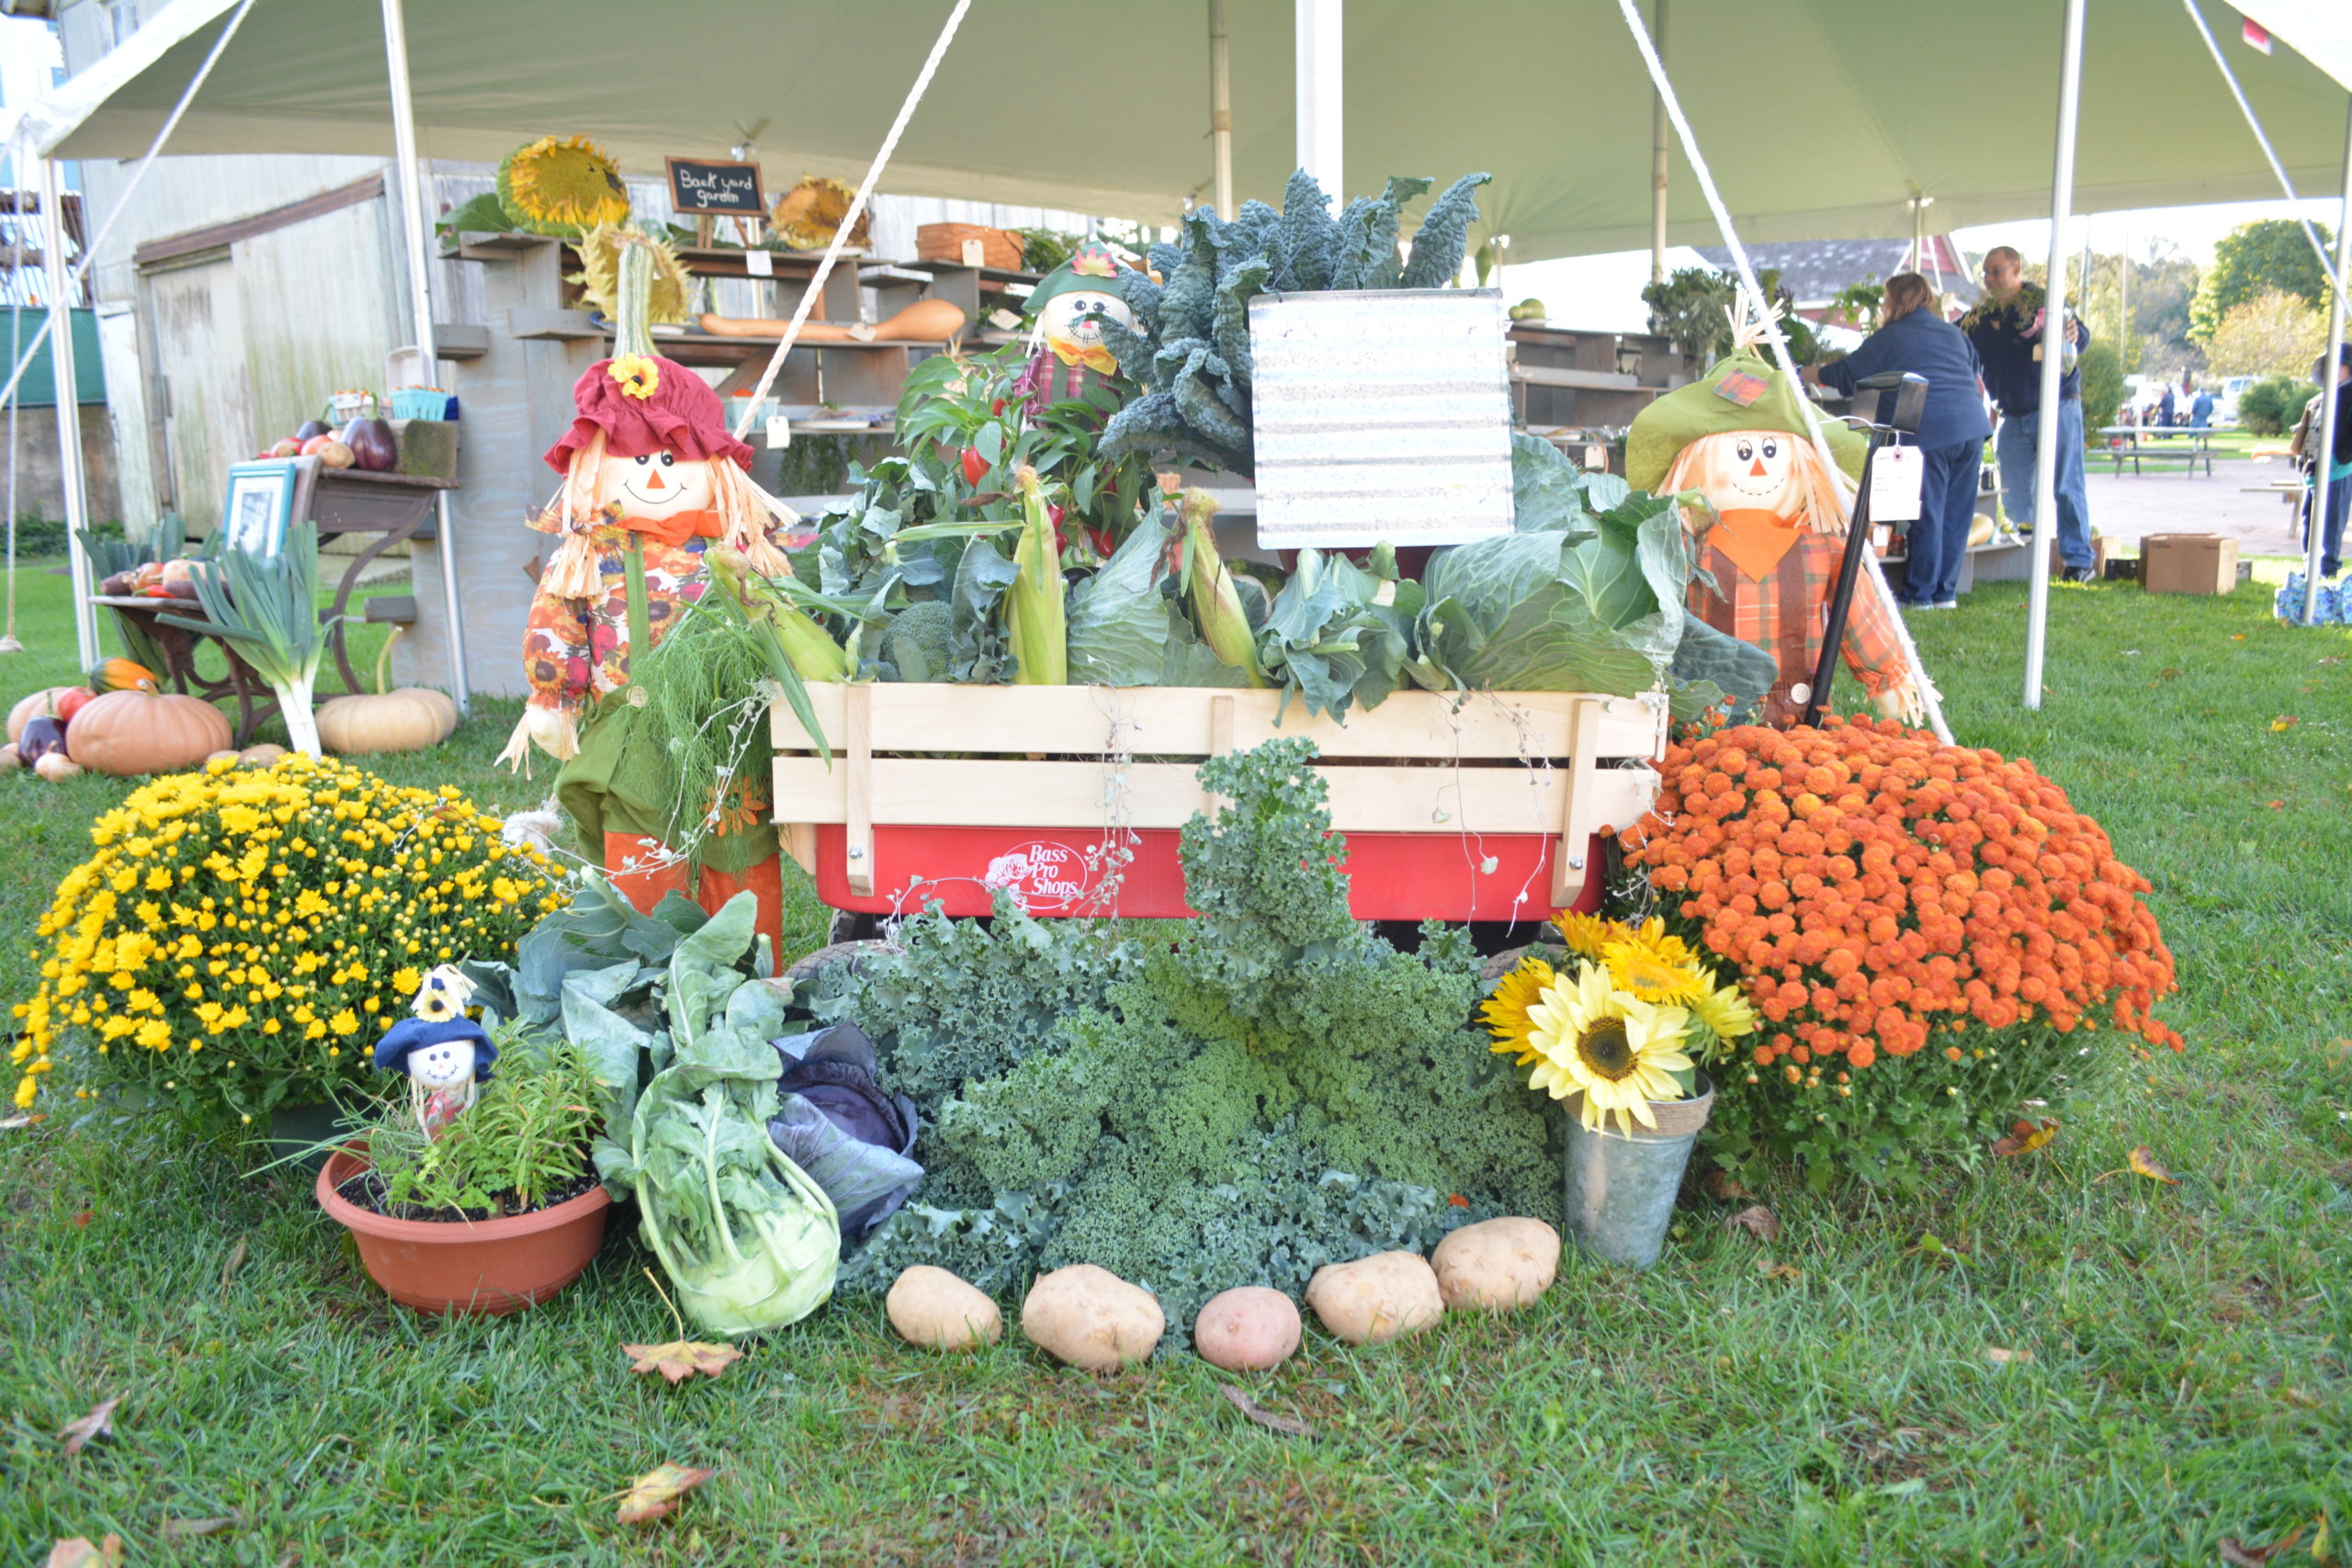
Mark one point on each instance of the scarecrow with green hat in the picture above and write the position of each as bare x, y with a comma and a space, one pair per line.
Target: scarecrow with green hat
1772, 534
1068, 307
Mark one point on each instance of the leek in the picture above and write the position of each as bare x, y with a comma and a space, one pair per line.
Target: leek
268, 606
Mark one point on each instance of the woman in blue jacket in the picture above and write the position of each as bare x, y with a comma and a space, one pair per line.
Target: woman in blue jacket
1913, 337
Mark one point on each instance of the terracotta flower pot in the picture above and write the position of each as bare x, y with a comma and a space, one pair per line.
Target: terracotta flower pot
485, 1266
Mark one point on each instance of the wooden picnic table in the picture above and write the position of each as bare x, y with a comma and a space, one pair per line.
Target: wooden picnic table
2133, 442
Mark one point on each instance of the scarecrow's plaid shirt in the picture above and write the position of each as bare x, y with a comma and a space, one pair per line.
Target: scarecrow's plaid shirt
1786, 612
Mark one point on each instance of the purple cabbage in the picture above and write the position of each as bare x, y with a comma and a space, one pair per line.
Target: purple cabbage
835, 1120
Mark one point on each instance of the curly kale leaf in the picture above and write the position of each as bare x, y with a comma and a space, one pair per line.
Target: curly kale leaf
1444, 235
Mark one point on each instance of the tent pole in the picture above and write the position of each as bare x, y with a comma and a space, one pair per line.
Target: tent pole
2331, 393
416, 232
1221, 108
2054, 340
1321, 75
1658, 172
69, 411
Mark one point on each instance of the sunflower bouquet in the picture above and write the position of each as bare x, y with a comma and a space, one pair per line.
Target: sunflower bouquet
1621, 1023
242, 935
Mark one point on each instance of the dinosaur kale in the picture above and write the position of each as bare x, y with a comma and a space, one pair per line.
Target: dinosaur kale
1191, 351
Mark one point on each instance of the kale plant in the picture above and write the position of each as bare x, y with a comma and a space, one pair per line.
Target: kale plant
1235, 1099
1191, 351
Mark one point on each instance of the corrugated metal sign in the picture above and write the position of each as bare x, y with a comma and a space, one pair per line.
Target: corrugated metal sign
1381, 415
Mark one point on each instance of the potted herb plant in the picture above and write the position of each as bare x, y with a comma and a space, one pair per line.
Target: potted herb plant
476, 1193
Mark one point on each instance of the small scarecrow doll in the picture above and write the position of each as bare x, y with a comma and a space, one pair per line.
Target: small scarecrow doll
1773, 541
446, 1054
1069, 305
653, 480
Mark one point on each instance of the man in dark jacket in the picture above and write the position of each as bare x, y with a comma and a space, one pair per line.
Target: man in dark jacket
2006, 327
2336, 484
1950, 438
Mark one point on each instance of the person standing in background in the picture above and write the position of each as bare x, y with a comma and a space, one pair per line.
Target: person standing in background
2336, 485
1913, 337
2201, 410
2006, 327
2166, 410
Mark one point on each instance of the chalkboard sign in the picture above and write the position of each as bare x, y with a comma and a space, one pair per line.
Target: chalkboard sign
706, 189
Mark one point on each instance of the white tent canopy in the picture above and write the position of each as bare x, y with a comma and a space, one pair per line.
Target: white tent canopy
1822, 117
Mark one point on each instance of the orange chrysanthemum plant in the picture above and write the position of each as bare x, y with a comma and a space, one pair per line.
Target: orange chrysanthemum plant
1935, 942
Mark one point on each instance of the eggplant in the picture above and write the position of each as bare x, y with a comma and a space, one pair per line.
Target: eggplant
41, 735
372, 446
313, 427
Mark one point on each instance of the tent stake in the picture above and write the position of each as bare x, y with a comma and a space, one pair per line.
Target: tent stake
2054, 363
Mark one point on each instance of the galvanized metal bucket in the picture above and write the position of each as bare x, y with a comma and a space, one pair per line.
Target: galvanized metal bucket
1621, 1187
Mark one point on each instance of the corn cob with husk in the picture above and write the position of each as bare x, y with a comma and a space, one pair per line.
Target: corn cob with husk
811, 651
1035, 621
1216, 604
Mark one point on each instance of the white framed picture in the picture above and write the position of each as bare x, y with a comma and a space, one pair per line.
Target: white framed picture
260, 505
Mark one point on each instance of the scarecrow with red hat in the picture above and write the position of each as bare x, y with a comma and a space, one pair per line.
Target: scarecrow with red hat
651, 479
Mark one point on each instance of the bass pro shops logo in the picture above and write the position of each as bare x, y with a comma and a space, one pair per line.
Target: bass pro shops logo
1042, 877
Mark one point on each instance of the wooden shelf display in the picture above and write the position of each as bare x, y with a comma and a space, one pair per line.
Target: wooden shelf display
1566, 378
1484, 809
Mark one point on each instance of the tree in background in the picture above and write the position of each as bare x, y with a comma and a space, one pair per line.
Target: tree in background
2271, 335
2102, 370
2268, 408
2272, 256
2161, 286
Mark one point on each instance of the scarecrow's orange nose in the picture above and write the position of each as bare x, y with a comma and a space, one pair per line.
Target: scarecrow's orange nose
654, 479
1756, 472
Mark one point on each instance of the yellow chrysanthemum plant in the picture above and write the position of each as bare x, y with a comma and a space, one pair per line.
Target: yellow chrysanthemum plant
1624, 1022
240, 936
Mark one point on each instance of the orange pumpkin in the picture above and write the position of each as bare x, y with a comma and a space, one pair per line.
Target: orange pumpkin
146, 733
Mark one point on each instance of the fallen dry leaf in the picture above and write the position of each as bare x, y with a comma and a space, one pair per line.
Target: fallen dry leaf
228, 1270
2283, 722
682, 1359
1757, 1221
99, 1423
190, 1530
9, 1123
2238, 1554
82, 1220
2025, 1137
657, 1492
1722, 1186
1289, 1426
76, 1551
1772, 1270
2145, 1164
2276, 805
2002, 1358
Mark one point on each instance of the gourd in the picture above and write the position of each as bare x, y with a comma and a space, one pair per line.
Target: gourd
121, 675
408, 719
40, 702
145, 732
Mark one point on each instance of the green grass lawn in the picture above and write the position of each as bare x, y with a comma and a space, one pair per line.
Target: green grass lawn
2179, 1373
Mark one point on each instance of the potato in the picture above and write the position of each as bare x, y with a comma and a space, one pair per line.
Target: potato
1376, 1299
932, 1308
1091, 1318
1247, 1329
1497, 1265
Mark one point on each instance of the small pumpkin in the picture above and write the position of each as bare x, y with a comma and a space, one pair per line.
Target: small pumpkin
408, 719
57, 766
34, 706
146, 733
9, 758
264, 755
121, 675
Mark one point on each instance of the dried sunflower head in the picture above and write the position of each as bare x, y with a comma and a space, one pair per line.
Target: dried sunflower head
807, 216
600, 274
561, 185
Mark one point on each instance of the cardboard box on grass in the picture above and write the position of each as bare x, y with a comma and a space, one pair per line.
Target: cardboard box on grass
2188, 563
